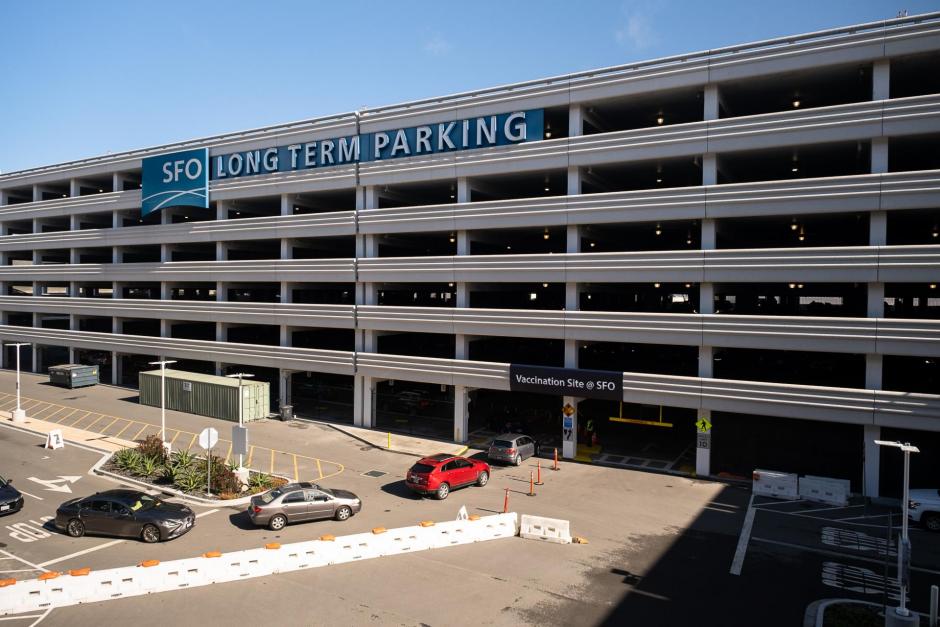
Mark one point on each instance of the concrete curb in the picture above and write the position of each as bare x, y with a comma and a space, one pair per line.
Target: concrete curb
378, 447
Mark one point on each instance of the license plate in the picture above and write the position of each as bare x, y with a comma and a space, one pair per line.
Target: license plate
5, 507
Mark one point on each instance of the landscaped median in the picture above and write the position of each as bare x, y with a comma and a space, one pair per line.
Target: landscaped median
186, 473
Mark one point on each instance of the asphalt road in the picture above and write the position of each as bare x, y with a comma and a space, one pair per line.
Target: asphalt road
661, 547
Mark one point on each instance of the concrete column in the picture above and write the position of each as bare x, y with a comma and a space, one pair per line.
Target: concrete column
116, 220
37, 193
871, 470
575, 120
75, 188
703, 456
287, 248
117, 289
364, 401
463, 189
569, 444
287, 204
873, 372
573, 246
876, 300
710, 102
879, 155
117, 253
709, 169
706, 298
220, 251
705, 361
574, 180
117, 182
461, 413
462, 346
283, 380
4, 197
221, 210
880, 90
878, 228
709, 237
166, 253
115, 368
881, 80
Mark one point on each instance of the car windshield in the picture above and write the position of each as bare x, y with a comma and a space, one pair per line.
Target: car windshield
502, 443
422, 468
267, 497
142, 502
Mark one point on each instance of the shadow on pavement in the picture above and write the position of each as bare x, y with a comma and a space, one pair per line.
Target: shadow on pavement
243, 522
399, 489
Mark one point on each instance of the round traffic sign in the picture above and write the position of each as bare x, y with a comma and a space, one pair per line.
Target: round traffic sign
208, 438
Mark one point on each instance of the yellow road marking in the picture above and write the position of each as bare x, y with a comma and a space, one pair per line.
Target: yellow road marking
126, 427
47, 408
178, 432
296, 474
88, 428
109, 424
137, 435
11, 401
319, 469
191, 442
82, 417
251, 451
229, 453
272, 461
71, 413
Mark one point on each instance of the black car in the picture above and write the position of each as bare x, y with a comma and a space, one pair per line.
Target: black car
128, 513
10, 498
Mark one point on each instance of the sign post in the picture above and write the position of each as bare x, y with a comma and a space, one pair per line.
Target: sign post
569, 429
208, 438
703, 445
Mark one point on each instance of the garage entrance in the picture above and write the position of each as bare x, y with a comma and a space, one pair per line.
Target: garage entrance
495, 411
322, 396
654, 437
422, 409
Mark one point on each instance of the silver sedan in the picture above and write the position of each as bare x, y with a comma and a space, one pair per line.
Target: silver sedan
298, 502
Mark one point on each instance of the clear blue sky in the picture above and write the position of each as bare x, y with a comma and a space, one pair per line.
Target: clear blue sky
80, 79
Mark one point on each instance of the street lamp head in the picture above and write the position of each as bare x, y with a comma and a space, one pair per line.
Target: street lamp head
906, 446
164, 362
18, 344
239, 375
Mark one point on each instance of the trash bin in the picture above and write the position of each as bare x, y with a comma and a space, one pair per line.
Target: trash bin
287, 412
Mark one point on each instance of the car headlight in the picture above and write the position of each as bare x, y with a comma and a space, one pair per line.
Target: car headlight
171, 523
913, 504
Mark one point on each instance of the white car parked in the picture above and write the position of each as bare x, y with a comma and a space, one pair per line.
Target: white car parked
925, 508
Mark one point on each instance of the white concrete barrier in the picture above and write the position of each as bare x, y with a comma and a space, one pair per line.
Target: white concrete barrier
103, 585
548, 529
779, 485
825, 490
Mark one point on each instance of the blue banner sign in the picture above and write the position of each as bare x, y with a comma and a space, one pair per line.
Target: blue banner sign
481, 132
180, 179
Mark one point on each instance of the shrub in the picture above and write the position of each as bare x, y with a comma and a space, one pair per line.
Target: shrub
148, 466
182, 459
126, 459
223, 478
191, 480
259, 480
152, 446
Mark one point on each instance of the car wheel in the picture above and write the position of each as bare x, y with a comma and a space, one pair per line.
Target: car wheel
343, 513
442, 491
932, 522
75, 528
277, 523
517, 460
150, 534
483, 478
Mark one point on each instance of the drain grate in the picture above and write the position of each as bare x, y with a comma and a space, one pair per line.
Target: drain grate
374, 473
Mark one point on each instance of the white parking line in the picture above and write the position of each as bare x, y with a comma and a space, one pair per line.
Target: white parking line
38, 498
837, 554
77, 553
743, 539
206, 513
829, 509
23, 617
20, 559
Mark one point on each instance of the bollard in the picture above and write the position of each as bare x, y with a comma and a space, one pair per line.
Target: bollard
531, 484
506, 502
934, 593
389, 447
555, 465
538, 479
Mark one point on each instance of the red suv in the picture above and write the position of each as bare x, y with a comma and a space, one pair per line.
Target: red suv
441, 473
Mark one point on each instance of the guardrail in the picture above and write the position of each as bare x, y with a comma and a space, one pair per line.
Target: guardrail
53, 589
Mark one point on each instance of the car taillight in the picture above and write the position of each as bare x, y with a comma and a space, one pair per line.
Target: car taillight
511, 451
256, 509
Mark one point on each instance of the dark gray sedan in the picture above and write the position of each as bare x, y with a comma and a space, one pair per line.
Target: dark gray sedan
127, 513
512, 448
297, 502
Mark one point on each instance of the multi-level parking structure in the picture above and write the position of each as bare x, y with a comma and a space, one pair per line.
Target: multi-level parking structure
748, 234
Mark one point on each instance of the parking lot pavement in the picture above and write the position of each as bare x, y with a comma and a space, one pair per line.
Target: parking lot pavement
296, 466
846, 551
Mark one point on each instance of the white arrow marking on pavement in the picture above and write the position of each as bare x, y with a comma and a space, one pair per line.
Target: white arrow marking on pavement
52, 484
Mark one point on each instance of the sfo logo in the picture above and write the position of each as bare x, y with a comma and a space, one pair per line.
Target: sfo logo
180, 179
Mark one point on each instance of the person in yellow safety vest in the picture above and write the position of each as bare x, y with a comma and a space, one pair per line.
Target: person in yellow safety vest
592, 436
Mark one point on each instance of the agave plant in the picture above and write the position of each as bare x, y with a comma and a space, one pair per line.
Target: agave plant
259, 480
181, 459
190, 480
127, 459
148, 466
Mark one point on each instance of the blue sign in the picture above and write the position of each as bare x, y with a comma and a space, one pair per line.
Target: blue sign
482, 132
179, 179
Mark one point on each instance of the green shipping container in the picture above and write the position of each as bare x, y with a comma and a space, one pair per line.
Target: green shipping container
73, 375
206, 394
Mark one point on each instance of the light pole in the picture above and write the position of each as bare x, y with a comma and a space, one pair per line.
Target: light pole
18, 414
904, 546
239, 375
162, 363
